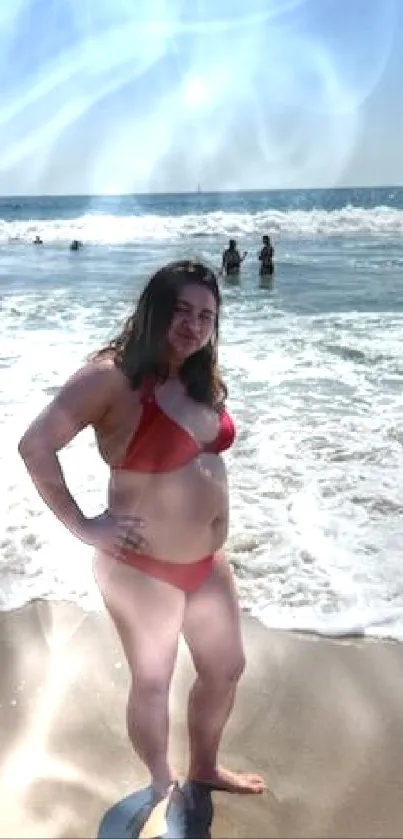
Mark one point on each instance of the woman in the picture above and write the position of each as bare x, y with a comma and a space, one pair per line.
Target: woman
155, 399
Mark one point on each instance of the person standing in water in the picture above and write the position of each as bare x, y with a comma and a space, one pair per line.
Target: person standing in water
156, 401
232, 260
266, 258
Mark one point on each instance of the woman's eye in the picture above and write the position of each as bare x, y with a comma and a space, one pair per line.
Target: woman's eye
206, 317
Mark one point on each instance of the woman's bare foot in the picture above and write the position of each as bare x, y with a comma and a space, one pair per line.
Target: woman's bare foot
243, 783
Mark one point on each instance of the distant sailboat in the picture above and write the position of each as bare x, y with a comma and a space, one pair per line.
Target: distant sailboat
199, 188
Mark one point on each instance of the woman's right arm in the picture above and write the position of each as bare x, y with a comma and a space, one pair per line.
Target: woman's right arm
81, 402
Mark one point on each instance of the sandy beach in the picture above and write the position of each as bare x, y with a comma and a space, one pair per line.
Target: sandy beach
321, 719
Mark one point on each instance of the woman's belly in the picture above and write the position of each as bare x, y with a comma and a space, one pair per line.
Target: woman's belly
184, 512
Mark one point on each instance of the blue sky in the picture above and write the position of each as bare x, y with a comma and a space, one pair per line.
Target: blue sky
111, 96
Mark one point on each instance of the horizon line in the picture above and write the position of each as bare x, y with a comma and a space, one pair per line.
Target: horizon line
14, 195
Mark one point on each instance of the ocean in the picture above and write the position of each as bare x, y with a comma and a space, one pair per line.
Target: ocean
315, 374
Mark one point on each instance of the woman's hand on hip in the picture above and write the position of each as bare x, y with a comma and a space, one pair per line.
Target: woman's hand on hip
113, 533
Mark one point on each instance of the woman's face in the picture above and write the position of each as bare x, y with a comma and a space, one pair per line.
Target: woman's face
192, 325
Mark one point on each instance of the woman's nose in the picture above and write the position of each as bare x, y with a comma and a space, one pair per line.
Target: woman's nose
191, 321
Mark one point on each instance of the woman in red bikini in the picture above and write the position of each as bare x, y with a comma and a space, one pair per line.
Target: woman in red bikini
155, 399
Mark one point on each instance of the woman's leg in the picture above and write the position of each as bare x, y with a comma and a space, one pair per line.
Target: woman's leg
148, 616
213, 633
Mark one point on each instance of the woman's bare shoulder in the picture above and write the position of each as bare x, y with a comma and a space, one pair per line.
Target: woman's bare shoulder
99, 374
84, 399
92, 389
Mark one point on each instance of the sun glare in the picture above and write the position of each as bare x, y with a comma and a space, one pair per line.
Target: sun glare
195, 92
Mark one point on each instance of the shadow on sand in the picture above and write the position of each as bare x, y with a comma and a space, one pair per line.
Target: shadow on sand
188, 816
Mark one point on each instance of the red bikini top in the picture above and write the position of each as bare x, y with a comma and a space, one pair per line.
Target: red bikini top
159, 444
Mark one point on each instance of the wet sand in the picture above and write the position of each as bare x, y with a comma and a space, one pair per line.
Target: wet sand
321, 719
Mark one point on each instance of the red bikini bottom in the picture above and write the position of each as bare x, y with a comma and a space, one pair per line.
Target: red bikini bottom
187, 576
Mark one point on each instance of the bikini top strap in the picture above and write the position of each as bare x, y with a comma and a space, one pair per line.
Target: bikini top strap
147, 392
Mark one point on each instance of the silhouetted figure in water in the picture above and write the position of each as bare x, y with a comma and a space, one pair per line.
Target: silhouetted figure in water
232, 259
76, 245
266, 258
37, 241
